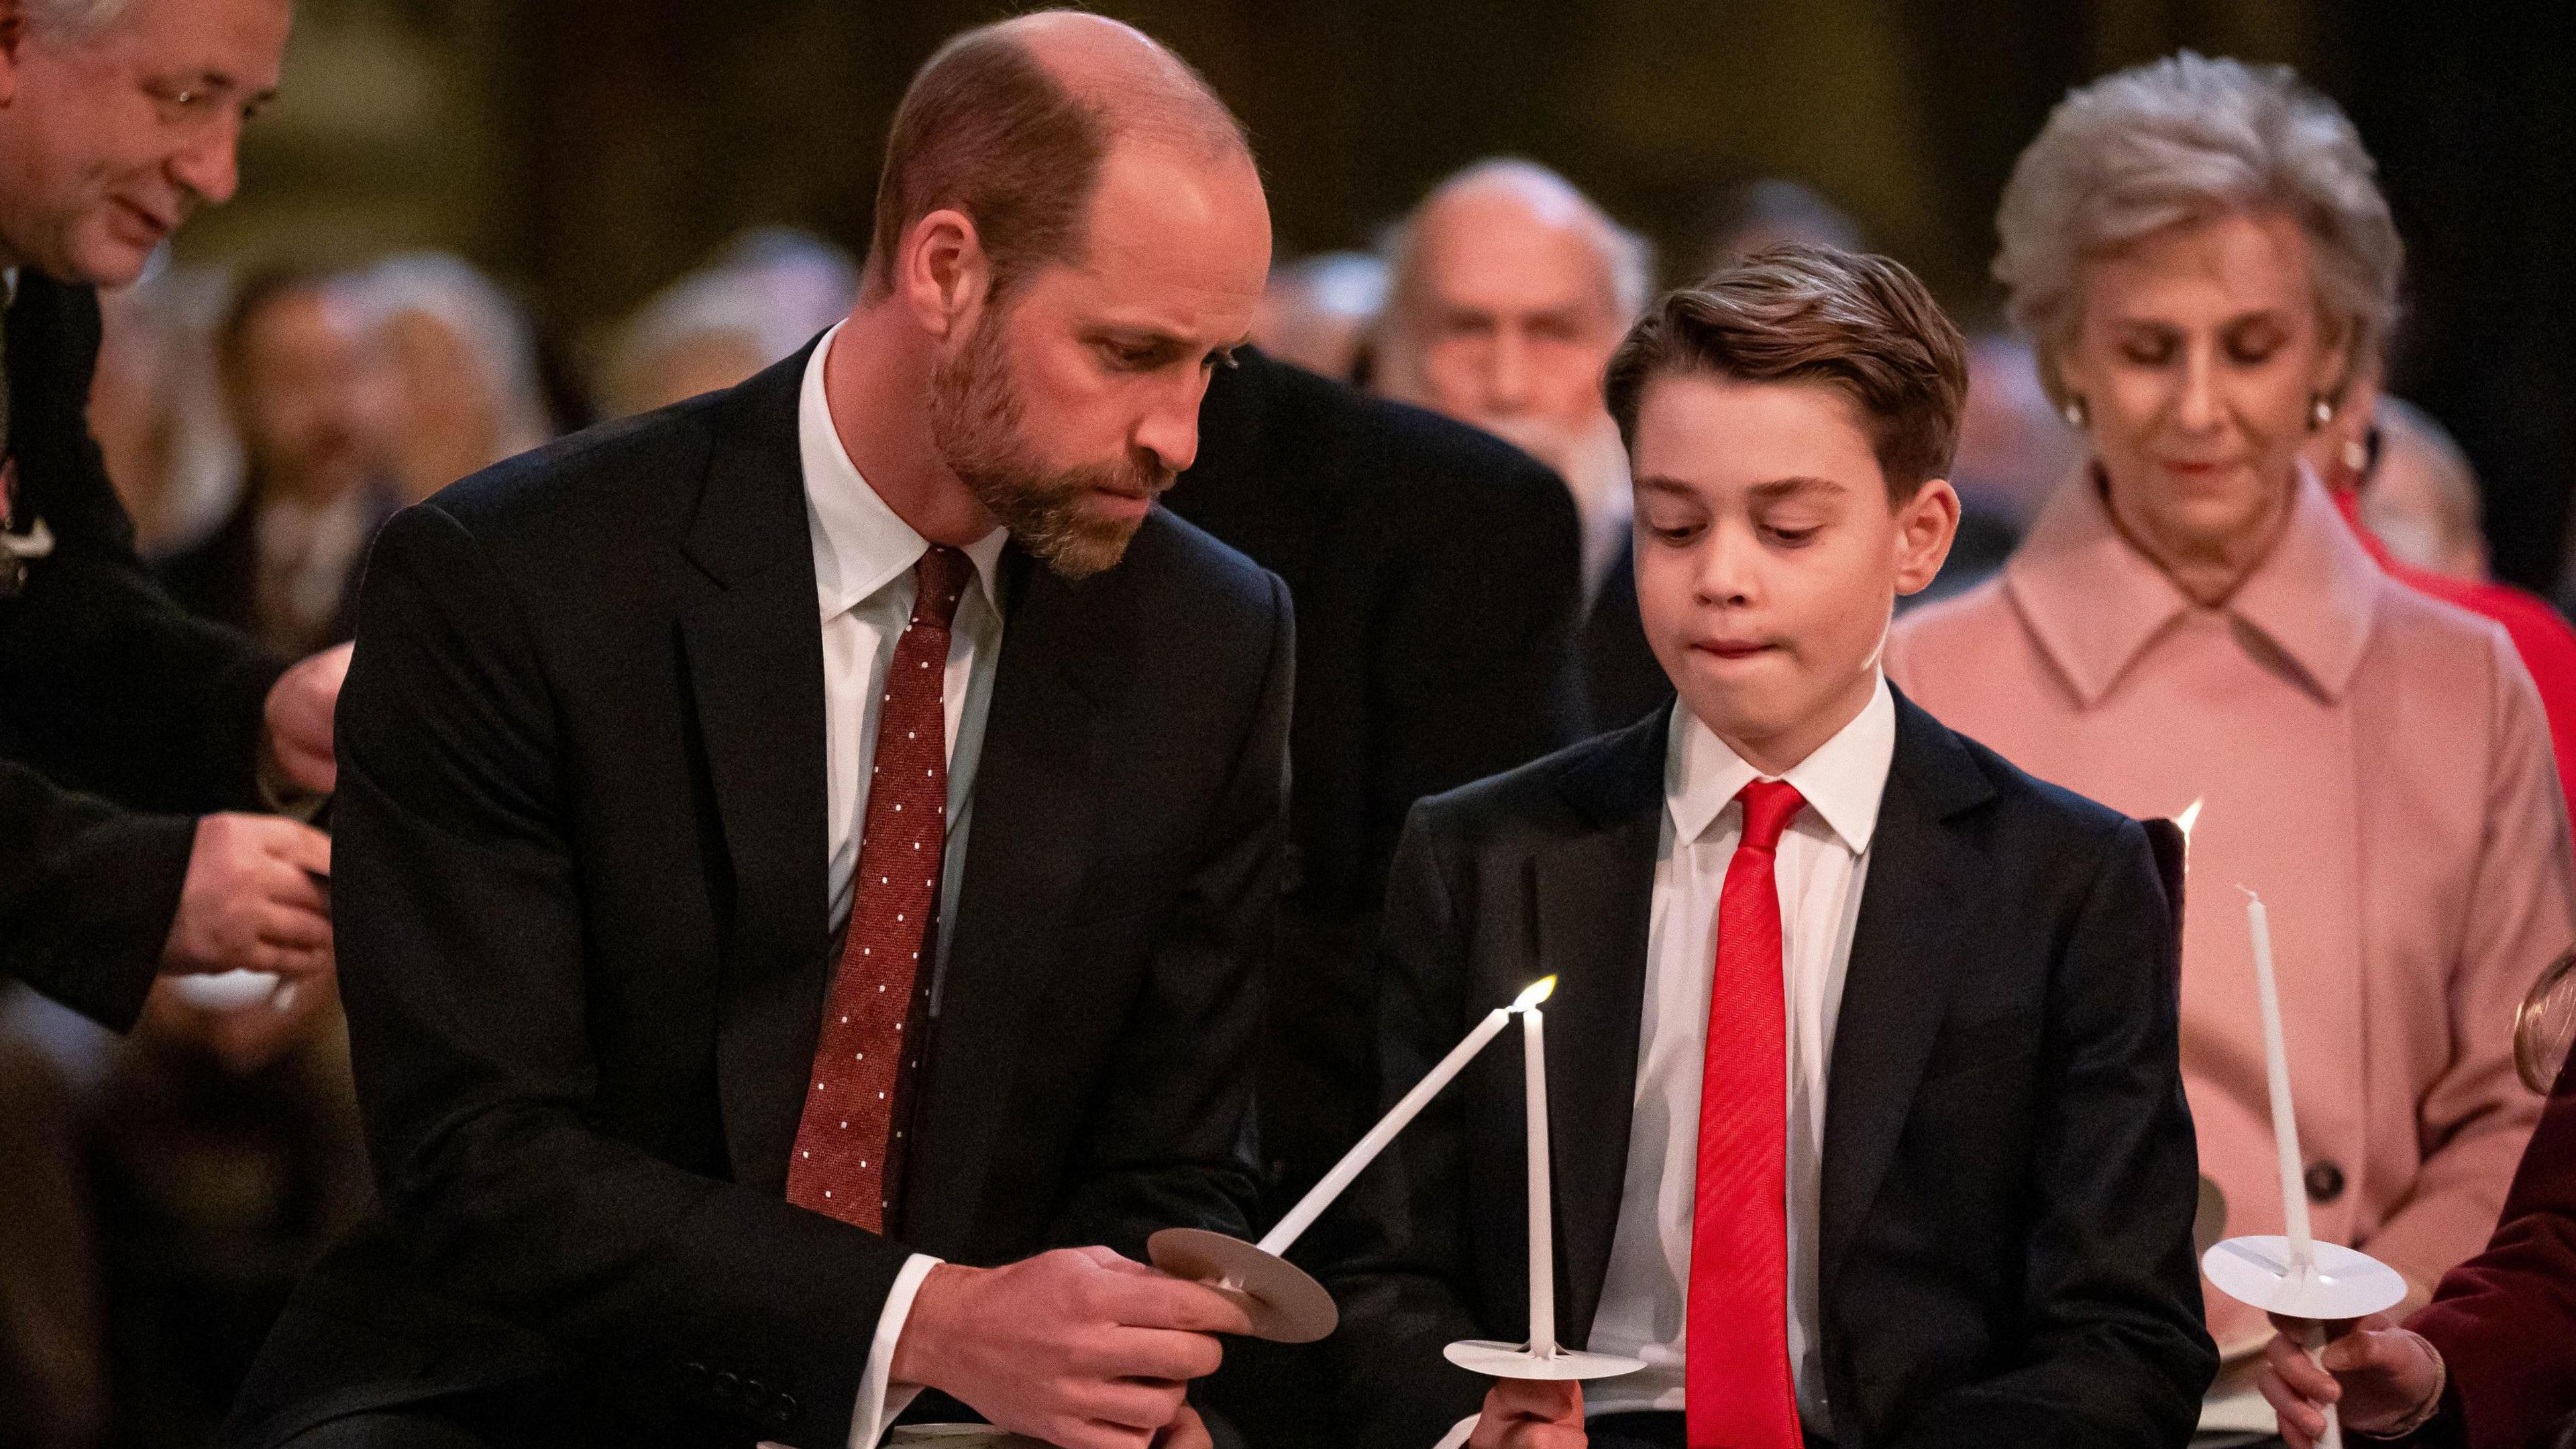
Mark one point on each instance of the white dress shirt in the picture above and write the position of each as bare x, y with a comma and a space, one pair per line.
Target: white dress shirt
1822, 863
863, 583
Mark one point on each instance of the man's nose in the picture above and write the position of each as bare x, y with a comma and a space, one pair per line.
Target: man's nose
209, 165
1507, 373
1170, 429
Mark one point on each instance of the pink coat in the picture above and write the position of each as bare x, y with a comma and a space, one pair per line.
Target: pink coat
2377, 766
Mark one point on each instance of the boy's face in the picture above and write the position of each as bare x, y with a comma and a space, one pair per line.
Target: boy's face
1769, 556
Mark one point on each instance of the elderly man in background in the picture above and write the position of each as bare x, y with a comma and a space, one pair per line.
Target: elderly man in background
1508, 290
117, 120
301, 373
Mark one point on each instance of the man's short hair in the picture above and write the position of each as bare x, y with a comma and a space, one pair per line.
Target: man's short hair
1862, 325
984, 128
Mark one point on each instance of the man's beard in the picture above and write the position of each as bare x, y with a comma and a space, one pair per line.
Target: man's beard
975, 419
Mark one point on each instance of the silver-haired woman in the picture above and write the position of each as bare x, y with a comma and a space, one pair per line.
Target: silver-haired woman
2202, 257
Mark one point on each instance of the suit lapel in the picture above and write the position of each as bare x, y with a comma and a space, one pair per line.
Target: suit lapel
752, 640
1918, 916
1064, 648
1593, 892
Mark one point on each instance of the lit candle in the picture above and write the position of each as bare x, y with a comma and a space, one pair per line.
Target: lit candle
1312, 1205
2285, 1122
1542, 1227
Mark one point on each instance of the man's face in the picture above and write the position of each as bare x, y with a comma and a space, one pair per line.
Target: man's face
1507, 322
1769, 557
109, 141
1071, 405
301, 379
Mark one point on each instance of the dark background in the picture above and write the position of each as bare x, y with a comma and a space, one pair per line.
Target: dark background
586, 151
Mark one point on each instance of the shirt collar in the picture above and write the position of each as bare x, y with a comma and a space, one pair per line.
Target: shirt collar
861, 544
2095, 603
1842, 780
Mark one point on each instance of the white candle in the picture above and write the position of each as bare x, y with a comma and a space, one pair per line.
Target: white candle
2276, 1066
1312, 1205
1542, 1226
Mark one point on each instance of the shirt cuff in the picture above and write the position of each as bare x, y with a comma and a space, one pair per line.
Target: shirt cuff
881, 1399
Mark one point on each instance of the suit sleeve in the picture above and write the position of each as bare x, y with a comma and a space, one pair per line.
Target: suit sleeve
87, 894
2476, 1114
2505, 1320
1397, 1241
464, 967
2116, 1354
1170, 1139
108, 685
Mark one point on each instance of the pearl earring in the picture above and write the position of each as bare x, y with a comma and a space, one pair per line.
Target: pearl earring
2322, 410
2078, 416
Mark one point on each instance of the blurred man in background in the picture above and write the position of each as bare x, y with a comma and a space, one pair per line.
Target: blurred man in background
304, 379
1508, 290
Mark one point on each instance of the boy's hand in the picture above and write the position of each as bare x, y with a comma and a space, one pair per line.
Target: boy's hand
1527, 1414
2381, 1375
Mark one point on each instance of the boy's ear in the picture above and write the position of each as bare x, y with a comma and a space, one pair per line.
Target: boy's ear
1925, 525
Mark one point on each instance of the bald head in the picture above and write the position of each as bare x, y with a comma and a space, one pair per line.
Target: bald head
1509, 289
1010, 124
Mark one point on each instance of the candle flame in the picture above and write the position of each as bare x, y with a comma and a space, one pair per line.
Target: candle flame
2189, 817
2249, 892
1539, 990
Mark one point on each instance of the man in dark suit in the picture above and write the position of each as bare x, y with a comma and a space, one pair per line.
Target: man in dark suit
1507, 290
1891, 1149
106, 686
1428, 655
742, 990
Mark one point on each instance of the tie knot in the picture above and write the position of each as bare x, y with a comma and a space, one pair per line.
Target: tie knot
940, 580
1769, 806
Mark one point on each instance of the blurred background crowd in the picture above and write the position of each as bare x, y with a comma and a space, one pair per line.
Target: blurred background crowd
469, 226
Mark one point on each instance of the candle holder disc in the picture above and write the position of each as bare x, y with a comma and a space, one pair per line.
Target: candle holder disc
1283, 1302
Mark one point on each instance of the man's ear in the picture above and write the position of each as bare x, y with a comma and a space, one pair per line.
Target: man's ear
1925, 526
942, 274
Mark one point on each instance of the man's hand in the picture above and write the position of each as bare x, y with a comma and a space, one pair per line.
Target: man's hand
2382, 1375
251, 900
299, 720
1528, 1414
1078, 1347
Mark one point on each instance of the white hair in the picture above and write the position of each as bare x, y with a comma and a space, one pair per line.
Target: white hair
1628, 257
75, 19
2184, 140
450, 292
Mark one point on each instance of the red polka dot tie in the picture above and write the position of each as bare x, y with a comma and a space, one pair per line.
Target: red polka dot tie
850, 1141
1738, 1393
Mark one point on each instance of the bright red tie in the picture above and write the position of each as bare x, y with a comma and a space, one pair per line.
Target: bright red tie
1739, 1393
851, 1135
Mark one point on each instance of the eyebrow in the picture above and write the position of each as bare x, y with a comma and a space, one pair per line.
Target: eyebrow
1659, 483
1781, 488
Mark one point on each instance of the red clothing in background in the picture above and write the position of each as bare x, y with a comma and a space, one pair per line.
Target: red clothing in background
2540, 635
2505, 1320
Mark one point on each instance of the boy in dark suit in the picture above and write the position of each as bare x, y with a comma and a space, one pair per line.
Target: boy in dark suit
1869, 1128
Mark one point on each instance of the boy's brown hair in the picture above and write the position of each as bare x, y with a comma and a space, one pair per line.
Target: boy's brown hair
1862, 325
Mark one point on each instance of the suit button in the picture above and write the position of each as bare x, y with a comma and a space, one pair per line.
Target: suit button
728, 1387
2325, 1182
782, 1412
